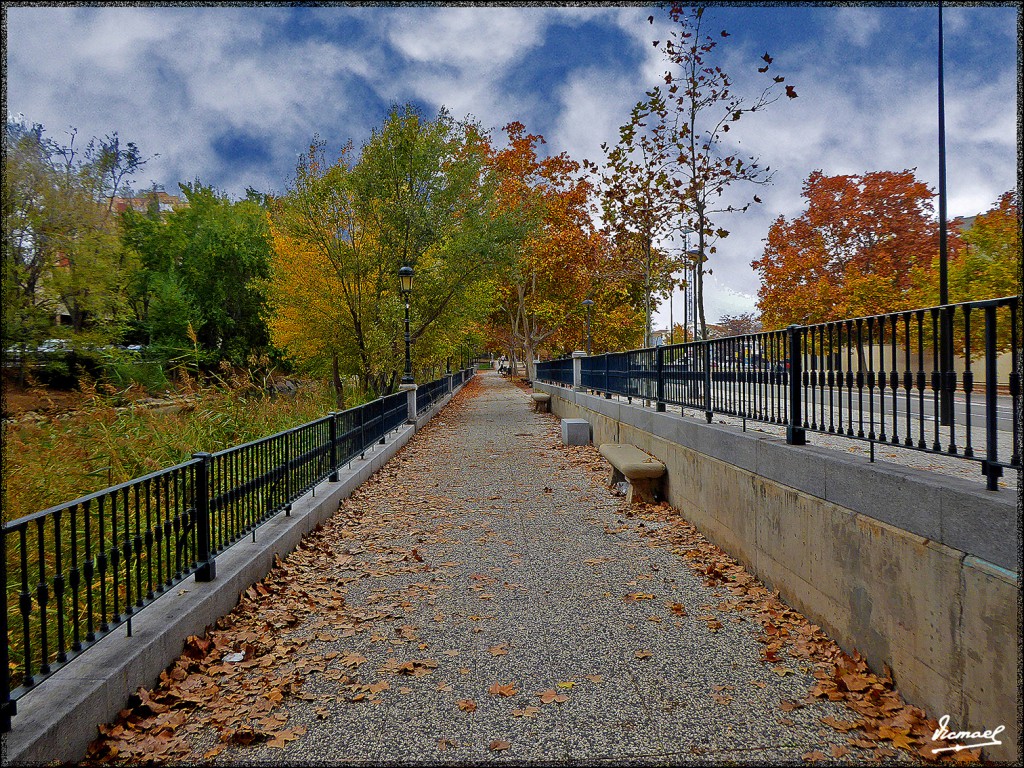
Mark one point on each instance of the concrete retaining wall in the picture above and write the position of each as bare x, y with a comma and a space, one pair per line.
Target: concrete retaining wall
914, 570
57, 720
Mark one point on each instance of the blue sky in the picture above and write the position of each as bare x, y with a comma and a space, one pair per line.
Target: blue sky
232, 95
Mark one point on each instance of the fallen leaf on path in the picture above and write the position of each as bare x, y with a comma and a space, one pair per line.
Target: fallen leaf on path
499, 689
467, 705
550, 695
643, 654
498, 746
813, 757
529, 711
499, 650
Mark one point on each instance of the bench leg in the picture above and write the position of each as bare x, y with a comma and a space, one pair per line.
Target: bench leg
642, 490
615, 476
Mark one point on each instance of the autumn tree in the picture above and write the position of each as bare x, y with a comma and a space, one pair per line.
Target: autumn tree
700, 108
854, 251
984, 258
739, 325
419, 193
641, 204
554, 261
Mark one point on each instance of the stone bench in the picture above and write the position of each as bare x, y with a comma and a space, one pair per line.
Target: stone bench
541, 401
643, 471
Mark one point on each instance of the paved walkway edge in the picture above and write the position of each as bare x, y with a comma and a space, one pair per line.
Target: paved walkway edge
57, 721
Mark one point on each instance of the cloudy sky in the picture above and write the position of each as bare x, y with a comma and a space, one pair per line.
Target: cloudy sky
232, 95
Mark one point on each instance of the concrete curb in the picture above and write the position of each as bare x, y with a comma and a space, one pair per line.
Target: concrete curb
58, 720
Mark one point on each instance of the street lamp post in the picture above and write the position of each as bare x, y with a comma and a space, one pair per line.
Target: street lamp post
687, 231
588, 304
405, 279
694, 254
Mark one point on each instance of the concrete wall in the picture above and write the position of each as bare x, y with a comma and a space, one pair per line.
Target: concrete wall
913, 570
57, 720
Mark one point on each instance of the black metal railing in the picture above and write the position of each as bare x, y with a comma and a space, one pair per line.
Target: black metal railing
78, 571
428, 394
879, 379
558, 371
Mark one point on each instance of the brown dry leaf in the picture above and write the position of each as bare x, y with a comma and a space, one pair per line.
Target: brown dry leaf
467, 705
788, 706
813, 757
785, 721
643, 654
499, 689
839, 751
782, 671
550, 695
529, 711
446, 744
595, 678
635, 596
352, 659
499, 650
855, 683
444, 687
840, 725
497, 745
758, 683
677, 608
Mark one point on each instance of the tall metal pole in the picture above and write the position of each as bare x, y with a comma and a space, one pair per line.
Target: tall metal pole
671, 319
407, 378
945, 340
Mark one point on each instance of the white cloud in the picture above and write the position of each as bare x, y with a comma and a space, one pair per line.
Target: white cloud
857, 25
466, 37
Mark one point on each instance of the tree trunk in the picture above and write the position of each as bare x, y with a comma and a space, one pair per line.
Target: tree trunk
528, 353
339, 386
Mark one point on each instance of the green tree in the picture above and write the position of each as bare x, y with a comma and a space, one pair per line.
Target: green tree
204, 266
419, 194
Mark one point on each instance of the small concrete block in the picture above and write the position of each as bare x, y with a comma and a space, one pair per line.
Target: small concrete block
575, 432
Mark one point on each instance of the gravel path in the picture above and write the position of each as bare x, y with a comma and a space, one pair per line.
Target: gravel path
485, 571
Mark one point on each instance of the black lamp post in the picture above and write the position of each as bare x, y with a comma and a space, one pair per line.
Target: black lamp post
588, 304
405, 278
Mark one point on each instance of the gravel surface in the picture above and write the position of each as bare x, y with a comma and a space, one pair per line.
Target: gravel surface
491, 555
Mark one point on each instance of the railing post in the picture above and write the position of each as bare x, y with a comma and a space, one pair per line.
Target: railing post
410, 392
577, 370
333, 437
795, 433
207, 570
448, 377
607, 392
659, 367
708, 412
990, 466
8, 708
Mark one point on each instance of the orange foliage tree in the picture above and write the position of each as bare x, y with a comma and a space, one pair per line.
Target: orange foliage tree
856, 250
560, 261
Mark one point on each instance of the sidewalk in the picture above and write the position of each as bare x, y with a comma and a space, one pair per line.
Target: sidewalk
485, 598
